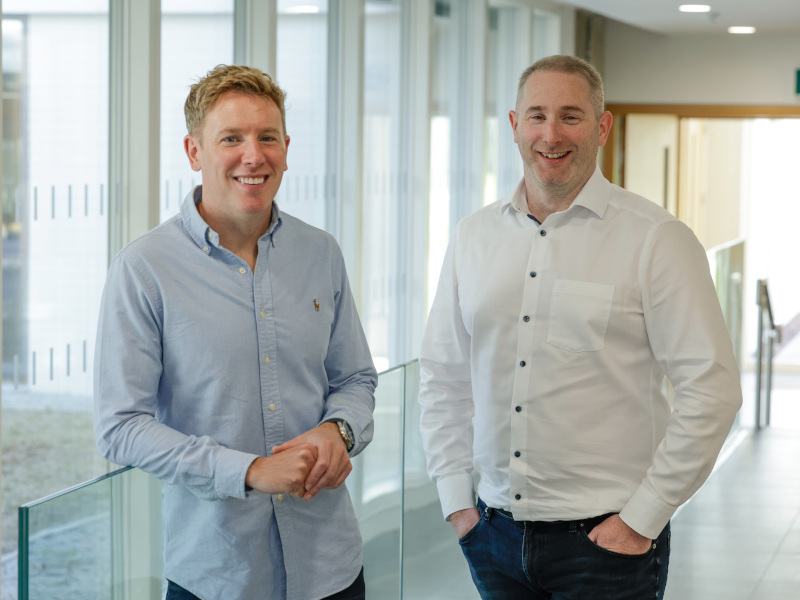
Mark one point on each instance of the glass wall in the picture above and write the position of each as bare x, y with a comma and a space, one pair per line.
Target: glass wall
195, 37
54, 193
302, 72
54, 235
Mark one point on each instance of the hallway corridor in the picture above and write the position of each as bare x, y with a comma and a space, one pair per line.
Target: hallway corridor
739, 537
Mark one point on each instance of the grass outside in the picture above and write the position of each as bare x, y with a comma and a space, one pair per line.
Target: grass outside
42, 452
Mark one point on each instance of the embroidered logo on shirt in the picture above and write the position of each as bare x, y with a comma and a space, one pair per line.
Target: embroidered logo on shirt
316, 305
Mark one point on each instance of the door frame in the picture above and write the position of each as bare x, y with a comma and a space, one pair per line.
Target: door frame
613, 163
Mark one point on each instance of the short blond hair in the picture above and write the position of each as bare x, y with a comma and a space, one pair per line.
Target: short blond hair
561, 63
229, 78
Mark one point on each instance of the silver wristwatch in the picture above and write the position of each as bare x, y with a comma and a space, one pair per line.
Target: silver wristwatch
345, 432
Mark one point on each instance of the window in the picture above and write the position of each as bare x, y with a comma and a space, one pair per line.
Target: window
54, 235
302, 72
183, 62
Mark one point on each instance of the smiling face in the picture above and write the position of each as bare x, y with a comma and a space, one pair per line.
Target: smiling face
558, 133
240, 149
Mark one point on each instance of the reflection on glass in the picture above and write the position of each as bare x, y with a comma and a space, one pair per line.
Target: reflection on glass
376, 489
54, 236
195, 37
302, 72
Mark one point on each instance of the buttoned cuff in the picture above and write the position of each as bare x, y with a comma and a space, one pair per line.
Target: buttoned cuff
455, 493
230, 472
646, 514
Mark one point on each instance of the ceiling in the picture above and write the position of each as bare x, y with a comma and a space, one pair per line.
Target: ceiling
662, 16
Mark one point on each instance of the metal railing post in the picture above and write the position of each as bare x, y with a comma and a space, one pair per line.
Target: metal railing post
770, 350
759, 357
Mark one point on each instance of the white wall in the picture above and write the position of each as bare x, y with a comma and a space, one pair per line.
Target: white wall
713, 69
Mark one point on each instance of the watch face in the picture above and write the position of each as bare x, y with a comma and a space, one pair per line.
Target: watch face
346, 435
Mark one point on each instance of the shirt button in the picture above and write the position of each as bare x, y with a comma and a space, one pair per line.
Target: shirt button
542, 232
517, 497
526, 318
518, 408
206, 249
532, 273
241, 270
267, 359
262, 314
522, 363
272, 407
517, 453
279, 498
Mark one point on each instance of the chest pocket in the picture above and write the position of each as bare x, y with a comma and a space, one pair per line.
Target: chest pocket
579, 313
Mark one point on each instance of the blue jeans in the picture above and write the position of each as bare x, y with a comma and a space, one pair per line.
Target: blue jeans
540, 560
355, 591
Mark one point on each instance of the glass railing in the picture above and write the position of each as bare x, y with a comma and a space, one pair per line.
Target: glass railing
102, 539
99, 539
726, 262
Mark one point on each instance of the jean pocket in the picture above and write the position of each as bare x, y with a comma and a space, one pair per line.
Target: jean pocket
612, 553
579, 313
465, 539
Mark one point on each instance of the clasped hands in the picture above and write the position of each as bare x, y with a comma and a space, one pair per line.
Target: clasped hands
304, 465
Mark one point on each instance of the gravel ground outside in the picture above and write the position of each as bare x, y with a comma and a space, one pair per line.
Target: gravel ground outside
47, 445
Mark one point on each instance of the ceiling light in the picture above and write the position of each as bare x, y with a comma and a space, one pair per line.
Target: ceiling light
741, 29
694, 8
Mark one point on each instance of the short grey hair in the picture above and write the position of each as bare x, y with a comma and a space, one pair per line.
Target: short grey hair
561, 63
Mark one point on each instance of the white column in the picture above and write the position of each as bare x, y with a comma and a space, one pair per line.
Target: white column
134, 119
134, 127
414, 169
255, 34
467, 137
344, 136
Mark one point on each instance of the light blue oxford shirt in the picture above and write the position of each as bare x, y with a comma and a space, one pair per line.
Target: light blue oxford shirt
202, 365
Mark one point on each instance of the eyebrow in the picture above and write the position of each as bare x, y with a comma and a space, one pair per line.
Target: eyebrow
234, 130
560, 109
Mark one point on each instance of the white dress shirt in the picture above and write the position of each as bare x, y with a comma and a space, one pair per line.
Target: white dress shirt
544, 356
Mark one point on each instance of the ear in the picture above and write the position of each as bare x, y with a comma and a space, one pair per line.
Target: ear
192, 147
286, 139
605, 124
512, 118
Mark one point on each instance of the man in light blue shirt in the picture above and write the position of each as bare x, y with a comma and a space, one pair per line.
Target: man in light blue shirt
231, 364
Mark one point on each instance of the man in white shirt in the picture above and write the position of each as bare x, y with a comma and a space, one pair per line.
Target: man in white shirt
557, 316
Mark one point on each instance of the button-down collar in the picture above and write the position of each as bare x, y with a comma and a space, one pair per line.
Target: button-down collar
594, 196
203, 235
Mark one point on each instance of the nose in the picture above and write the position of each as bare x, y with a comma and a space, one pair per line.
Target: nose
552, 131
252, 156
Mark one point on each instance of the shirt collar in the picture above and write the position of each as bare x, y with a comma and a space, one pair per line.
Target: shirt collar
202, 234
594, 196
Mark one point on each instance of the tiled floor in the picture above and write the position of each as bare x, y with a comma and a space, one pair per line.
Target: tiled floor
739, 537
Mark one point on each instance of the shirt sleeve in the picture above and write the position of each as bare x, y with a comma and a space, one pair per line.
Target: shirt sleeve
691, 343
126, 381
351, 374
445, 395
